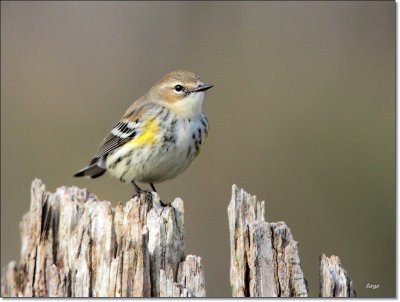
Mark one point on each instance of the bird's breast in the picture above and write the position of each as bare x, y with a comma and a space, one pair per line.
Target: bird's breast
191, 134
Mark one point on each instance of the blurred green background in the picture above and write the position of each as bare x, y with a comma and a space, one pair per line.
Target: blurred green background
302, 115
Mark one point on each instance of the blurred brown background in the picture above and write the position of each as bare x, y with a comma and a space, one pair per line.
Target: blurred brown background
302, 115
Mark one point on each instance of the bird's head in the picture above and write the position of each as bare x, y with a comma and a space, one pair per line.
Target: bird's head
182, 92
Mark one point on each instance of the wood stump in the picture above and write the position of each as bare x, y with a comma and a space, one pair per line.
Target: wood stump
74, 245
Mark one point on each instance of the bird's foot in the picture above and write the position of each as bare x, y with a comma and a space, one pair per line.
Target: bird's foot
154, 190
138, 191
148, 195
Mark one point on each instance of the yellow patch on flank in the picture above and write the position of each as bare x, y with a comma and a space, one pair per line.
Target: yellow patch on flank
148, 133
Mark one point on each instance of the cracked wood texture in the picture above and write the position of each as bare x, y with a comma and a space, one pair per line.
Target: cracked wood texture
74, 245
264, 256
335, 281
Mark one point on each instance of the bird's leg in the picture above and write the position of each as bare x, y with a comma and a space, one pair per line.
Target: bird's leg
137, 189
154, 190
153, 187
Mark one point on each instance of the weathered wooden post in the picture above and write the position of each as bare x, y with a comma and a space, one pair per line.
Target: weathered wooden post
264, 256
265, 259
335, 281
74, 245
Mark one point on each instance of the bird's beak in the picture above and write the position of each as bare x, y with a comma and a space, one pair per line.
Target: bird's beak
203, 87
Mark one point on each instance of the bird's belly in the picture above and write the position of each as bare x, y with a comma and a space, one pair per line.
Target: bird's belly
159, 161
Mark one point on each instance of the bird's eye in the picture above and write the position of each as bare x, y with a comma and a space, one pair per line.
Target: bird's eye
178, 88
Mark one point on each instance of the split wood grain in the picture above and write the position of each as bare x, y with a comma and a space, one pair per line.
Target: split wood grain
264, 256
74, 245
335, 281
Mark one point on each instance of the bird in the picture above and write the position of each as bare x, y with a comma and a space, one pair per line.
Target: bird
159, 135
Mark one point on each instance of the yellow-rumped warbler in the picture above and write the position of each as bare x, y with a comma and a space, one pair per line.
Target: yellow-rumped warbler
158, 136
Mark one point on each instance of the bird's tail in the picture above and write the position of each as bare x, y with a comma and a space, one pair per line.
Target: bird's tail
95, 169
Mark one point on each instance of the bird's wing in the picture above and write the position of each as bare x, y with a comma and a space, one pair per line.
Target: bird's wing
119, 135
124, 131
